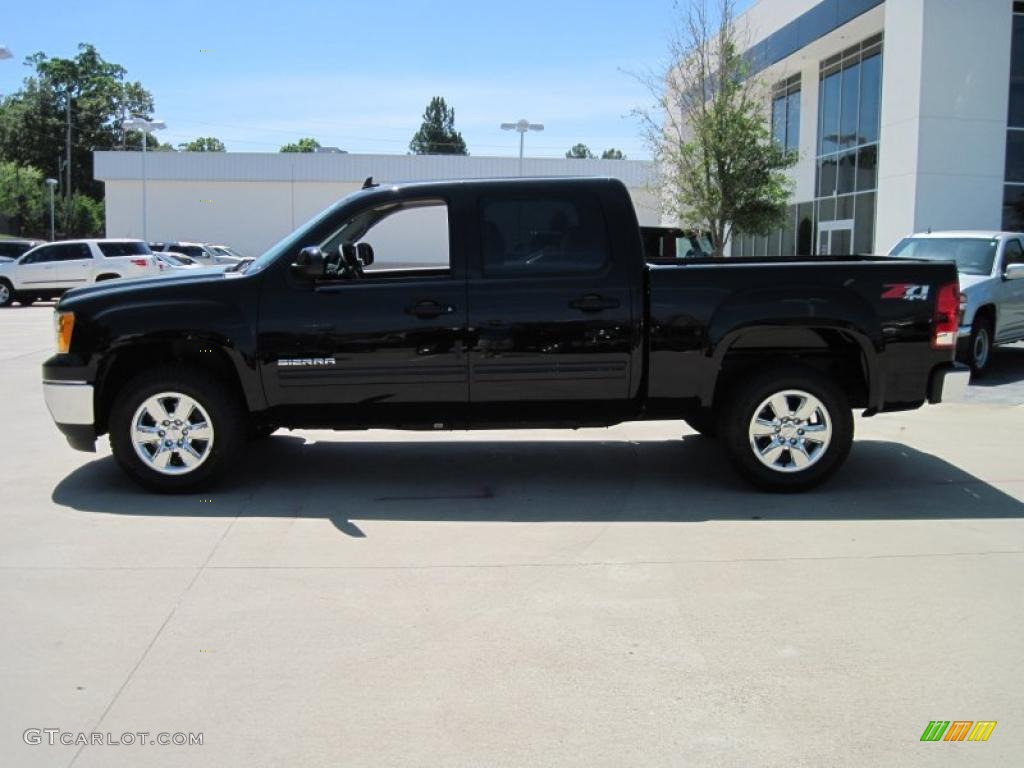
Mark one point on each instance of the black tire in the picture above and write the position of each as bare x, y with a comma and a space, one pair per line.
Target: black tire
226, 417
743, 405
704, 422
6, 293
979, 350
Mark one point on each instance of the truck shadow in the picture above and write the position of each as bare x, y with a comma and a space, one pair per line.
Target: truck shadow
685, 480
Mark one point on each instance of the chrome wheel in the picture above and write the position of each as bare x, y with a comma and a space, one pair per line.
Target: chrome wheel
790, 431
5, 293
982, 348
172, 433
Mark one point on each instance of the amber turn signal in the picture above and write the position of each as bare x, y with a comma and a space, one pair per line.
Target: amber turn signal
65, 325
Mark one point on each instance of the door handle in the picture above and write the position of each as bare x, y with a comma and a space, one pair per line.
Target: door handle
429, 309
592, 302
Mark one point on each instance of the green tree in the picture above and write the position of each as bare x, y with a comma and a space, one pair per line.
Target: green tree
719, 169
23, 200
580, 152
82, 216
203, 144
97, 95
437, 134
302, 145
613, 154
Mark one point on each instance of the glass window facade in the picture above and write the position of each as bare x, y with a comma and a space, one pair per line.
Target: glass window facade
786, 113
1013, 192
841, 218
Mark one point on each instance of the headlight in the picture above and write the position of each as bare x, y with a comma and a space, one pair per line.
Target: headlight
65, 324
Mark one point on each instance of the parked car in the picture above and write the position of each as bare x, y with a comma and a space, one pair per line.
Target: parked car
991, 271
170, 261
225, 250
49, 270
545, 313
206, 255
12, 249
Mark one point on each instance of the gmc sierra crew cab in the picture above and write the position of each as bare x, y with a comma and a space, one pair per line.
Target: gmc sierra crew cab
495, 304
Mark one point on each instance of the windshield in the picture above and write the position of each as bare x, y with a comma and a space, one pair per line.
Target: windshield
973, 255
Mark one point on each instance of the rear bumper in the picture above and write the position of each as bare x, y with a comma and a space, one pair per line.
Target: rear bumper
71, 405
948, 384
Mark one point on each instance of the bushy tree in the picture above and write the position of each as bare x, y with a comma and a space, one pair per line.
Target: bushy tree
580, 152
23, 200
437, 134
719, 169
203, 144
82, 216
613, 154
302, 145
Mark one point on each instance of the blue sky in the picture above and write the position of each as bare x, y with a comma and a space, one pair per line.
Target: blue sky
359, 74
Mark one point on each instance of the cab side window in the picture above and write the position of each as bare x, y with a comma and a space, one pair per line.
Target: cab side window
412, 237
42, 255
1014, 253
543, 236
73, 252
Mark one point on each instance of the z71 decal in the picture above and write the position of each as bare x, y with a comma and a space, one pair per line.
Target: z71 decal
905, 291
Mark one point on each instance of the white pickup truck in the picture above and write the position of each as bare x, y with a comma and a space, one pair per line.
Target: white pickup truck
50, 269
991, 269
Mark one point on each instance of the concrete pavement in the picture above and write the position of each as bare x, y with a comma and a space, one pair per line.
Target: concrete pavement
601, 597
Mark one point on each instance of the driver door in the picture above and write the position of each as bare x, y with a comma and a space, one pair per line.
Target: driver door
378, 347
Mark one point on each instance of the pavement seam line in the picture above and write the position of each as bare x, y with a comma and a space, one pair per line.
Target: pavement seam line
156, 636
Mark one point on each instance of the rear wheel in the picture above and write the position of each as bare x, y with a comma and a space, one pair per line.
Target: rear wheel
980, 352
175, 430
6, 293
787, 429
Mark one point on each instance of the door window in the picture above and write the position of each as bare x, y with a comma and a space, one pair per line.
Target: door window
73, 251
407, 235
41, 255
1014, 253
543, 236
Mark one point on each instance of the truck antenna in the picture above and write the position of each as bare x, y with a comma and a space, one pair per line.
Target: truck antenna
368, 184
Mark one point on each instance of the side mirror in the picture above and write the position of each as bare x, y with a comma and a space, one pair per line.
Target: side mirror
364, 251
309, 264
1014, 272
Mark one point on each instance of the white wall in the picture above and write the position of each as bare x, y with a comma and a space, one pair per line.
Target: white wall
945, 88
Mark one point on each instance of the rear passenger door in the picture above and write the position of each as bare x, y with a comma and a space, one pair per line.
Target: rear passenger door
74, 264
550, 310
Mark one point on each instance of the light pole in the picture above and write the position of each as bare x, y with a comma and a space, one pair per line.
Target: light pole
51, 183
522, 127
145, 127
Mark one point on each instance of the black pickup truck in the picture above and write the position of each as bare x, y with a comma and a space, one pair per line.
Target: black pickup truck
499, 303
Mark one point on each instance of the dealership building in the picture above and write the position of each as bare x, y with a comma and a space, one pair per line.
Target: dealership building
907, 115
251, 200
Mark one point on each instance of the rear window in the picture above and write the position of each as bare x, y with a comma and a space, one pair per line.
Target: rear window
124, 249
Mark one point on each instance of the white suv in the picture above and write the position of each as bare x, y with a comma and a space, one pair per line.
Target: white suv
50, 269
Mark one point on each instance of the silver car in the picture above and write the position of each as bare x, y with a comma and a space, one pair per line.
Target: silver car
991, 268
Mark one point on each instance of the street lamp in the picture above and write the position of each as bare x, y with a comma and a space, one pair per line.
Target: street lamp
522, 127
51, 183
145, 127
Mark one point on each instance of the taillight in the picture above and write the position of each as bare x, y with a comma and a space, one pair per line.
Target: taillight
949, 307
140, 262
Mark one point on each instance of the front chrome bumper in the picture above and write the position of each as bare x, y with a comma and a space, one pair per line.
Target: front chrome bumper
949, 385
70, 402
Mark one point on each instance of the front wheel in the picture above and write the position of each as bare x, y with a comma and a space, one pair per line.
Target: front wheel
175, 430
6, 293
788, 429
